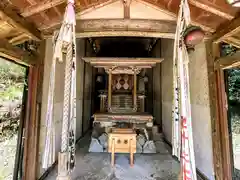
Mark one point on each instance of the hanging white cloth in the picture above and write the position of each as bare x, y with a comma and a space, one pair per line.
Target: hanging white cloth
65, 41
49, 150
181, 117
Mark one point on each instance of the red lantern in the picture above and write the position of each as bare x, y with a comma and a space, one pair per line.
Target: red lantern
234, 3
193, 35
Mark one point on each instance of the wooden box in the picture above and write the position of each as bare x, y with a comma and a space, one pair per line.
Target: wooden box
122, 141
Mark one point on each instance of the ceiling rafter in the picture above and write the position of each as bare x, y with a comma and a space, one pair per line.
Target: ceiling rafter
57, 11
226, 30
174, 15
33, 2
57, 21
15, 53
232, 40
40, 7
21, 38
53, 23
94, 6
211, 9
12, 18
229, 61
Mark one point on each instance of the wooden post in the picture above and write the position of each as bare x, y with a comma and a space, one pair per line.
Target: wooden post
102, 102
113, 152
142, 103
33, 117
109, 91
62, 166
213, 53
223, 121
134, 92
131, 152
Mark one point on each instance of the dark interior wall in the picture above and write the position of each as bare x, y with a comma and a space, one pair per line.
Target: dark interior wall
149, 91
87, 92
157, 109
167, 87
80, 85
123, 47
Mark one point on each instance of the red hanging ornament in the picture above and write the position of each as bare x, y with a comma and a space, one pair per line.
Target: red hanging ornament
193, 35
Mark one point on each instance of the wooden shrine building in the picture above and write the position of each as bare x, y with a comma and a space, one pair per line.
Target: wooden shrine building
124, 72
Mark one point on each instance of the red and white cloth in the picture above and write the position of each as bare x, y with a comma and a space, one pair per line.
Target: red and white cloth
182, 121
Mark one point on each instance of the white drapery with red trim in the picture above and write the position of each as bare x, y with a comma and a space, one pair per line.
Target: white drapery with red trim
181, 113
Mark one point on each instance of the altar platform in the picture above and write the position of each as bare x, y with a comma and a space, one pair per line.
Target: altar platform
134, 117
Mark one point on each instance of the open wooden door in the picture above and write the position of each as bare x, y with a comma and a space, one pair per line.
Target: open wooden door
228, 120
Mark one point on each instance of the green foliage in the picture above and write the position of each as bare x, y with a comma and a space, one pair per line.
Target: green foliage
227, 49
233, 75
234, 85
11, 80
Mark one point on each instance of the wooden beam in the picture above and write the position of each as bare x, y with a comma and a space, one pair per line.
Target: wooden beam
121, 34
21, 38
128, 27
126, 24
41, 6
233, 41
228, 61
122, 62
227, 30
12, 18
16, 54
211, 9
33, 2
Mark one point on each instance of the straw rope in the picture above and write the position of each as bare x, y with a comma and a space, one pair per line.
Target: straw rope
66, 99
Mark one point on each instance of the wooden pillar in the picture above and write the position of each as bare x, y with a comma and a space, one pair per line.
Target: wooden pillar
109, 91
102, 102
142, 103
32, 118
213, 53
135, 92
223, 121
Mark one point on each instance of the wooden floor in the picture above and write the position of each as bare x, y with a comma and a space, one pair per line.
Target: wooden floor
97, 166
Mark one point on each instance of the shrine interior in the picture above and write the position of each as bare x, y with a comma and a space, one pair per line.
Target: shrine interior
141, 72
124, 47
121, 92
123, 85
122, 82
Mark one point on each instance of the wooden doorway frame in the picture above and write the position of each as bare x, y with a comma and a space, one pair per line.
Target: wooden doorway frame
223, 161
31, 117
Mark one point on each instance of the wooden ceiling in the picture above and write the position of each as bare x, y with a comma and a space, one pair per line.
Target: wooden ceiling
31, 19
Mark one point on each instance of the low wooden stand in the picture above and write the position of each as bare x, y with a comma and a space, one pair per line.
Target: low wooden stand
122, 141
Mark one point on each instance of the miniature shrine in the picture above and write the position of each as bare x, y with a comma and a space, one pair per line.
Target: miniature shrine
122, 102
